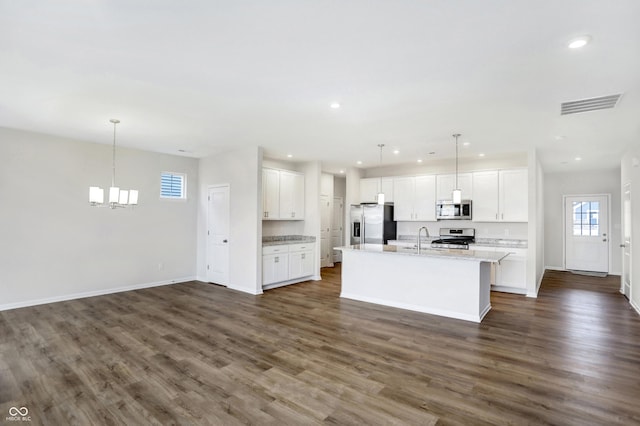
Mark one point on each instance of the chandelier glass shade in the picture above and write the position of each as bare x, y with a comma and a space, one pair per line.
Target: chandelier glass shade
117, 197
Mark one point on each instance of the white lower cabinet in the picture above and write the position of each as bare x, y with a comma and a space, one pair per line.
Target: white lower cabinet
275, 264
512, 271
510, 275
287, 264
300, 260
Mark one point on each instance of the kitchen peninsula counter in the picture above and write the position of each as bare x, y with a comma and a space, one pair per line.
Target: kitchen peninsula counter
450, 283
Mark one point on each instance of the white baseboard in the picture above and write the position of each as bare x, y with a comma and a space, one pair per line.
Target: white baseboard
26, 303
635, 306
554, 268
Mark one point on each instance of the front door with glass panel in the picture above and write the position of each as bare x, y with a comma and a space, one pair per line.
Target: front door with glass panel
587, 233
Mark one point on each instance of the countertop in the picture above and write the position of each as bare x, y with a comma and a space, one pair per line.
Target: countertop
475, 255
487, 242
287, 239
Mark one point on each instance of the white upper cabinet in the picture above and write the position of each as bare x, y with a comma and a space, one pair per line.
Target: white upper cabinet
414, 198
446, 184
291, 195
270, 194
484, 207
370, 187
514, 195
282, 195
500, 196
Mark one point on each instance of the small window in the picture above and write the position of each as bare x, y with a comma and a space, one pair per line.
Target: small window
173, 185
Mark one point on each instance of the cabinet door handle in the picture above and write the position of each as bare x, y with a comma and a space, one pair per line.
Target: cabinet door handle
302, 257
276, 259
496, 216
502, 216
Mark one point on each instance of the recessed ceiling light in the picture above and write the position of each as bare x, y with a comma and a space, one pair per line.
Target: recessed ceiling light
481, 154
358, 162
466, 143
578, 158
289, 155
579, 42
395, 151
335, 105
559, 137
341, 171
419, 160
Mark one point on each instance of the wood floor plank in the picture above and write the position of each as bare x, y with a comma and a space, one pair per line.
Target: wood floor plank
201, 354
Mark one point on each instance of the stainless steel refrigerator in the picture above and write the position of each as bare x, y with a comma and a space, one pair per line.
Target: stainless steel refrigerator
372, 223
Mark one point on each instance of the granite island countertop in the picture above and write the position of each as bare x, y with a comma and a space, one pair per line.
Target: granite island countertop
287, 239
474, 255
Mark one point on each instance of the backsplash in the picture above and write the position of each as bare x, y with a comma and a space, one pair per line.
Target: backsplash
272, 228
483, 229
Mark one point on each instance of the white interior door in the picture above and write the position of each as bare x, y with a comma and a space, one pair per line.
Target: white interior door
325, 231
336, 227
218, 235
626, 241
587, 233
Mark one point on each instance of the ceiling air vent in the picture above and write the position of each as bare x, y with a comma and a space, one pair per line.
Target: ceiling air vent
593, 104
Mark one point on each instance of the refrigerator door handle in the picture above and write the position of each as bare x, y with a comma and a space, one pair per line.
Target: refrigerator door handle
362, 230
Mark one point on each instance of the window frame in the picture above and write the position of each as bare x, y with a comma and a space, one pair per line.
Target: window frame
183, 189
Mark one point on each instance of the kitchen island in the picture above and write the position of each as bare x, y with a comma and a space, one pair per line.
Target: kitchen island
451, 283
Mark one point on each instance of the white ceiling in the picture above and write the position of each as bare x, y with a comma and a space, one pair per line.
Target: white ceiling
209, 76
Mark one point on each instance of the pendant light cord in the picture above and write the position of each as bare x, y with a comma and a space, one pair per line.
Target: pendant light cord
113, 174
457, 135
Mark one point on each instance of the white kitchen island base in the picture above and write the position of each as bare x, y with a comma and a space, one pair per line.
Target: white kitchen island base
446, 283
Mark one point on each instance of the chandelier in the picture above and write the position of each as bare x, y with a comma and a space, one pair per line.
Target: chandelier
117, 197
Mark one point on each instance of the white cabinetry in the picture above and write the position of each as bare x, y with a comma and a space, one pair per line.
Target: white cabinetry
510, 275
300, 260
370, 187
287, 264
282, 195
414, 198
270, 194
514, 195
275, 264
500, 196
447, 183
291, 195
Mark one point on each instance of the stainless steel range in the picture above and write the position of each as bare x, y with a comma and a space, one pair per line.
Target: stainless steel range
455, 238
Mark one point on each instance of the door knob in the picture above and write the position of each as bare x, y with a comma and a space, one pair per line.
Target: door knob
622, 246
604, 239
224, 241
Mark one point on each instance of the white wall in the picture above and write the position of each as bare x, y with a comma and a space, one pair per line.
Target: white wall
578, 183
242, 170
312, 176
630, 173
339, 187
535, 248
54, 246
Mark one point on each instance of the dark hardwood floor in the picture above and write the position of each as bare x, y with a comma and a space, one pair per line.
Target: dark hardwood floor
195, 353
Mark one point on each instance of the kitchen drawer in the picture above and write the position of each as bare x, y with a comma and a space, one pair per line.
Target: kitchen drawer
301, 247
283, 248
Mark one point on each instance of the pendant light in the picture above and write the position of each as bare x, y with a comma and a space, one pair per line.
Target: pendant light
380, 194
117, 197
457, 192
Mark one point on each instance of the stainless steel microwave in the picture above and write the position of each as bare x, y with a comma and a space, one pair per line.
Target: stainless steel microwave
448, 210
